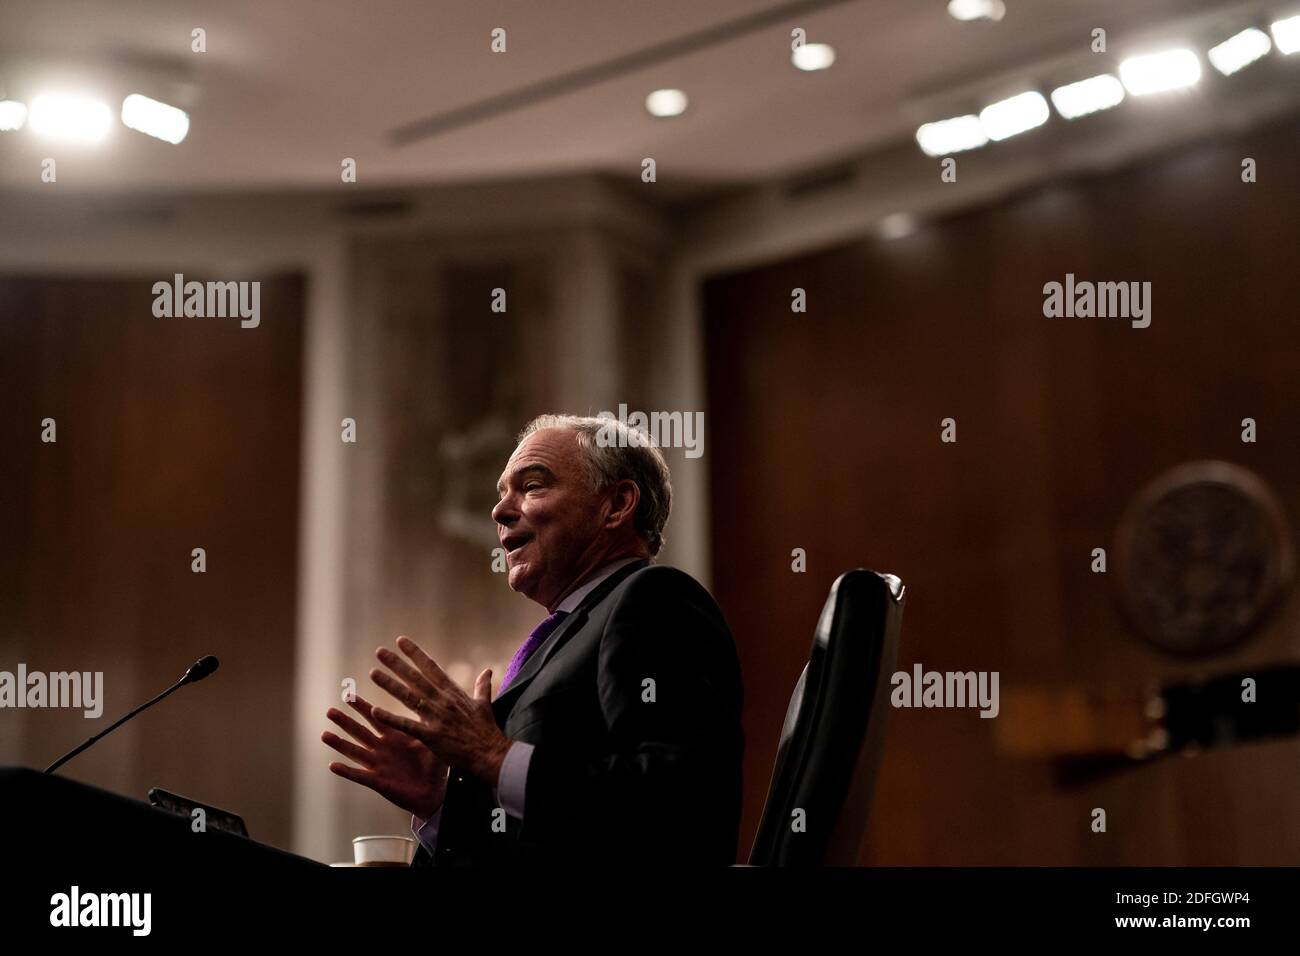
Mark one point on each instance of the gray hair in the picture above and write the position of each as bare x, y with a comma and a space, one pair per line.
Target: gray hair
632, 455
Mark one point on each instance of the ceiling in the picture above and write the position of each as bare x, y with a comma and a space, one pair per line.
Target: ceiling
286, 90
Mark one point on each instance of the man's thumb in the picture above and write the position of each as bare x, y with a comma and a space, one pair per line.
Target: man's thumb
483, 686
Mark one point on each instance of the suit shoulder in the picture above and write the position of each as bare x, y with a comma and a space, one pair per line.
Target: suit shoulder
662, 585
661, 578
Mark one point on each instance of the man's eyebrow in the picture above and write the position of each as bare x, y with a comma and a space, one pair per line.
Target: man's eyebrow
519, 473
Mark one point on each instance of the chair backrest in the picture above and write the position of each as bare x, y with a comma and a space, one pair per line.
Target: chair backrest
834, 731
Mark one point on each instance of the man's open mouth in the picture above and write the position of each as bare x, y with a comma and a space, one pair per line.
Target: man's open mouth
513, 542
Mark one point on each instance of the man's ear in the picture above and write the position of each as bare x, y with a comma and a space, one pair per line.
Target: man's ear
624, 496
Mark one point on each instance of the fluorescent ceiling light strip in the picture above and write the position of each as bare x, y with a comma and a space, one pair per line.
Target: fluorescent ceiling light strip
1160, 72
1096, 93
951, 135
1239, 51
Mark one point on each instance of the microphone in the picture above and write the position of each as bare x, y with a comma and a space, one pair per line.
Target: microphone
200, 669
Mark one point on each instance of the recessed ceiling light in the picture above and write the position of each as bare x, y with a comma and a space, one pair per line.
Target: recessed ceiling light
155, 119
666, 103
13, 114
1099, 92
813, 56
897, 225
70, 117
1239, 51
1160, 72
951, 135
976, 9
1016, 114
1286, 34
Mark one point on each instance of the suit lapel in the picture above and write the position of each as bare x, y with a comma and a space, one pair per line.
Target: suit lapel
569, 626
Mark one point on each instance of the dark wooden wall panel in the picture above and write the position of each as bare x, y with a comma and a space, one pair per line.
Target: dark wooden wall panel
172, 434
824, 434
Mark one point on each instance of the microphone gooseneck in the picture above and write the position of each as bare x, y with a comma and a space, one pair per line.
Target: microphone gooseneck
198, 670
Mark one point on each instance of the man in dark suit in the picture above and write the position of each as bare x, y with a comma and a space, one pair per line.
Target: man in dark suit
615, 736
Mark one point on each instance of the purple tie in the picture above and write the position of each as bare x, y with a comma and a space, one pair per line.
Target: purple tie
535, 640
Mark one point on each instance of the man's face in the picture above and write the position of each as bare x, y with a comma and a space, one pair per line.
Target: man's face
548, 518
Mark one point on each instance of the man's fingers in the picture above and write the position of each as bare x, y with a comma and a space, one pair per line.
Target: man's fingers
348, 749
407, 672
483, 686
352, 727
363, 707
397, 688
428, 667
364, 777
406, 725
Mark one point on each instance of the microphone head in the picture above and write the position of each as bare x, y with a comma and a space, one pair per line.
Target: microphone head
201, 668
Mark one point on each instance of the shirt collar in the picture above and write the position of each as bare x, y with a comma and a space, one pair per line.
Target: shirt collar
575, 597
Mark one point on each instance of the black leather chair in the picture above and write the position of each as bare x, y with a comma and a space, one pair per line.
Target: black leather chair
834, 732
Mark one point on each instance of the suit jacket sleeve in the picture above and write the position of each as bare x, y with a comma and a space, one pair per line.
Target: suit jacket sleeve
667, 786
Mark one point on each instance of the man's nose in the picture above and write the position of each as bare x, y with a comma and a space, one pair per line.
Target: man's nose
505, 513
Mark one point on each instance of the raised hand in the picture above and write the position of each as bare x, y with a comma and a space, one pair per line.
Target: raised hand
461, 729
397, 766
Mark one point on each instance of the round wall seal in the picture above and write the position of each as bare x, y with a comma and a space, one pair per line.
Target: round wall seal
1202, 554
